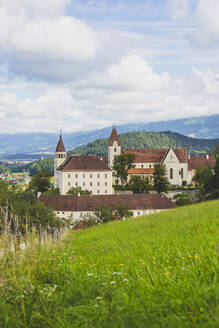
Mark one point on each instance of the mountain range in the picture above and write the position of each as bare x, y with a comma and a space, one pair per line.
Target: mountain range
34, 145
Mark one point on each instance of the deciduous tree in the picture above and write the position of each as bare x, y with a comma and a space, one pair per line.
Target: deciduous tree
122, 163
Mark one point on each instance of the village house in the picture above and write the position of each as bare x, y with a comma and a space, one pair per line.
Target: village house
77, 207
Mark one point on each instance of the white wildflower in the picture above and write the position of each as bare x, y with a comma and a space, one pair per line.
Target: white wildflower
99, 298
90, 274
23, 246
113, 282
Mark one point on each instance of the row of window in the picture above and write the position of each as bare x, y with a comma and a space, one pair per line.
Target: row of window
150, 166
91, 184
83, 176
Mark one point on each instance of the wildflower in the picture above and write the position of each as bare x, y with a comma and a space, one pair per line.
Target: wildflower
96, 305
167, 273
113, 282
125, 280
154, 262
99, 298
190, 256
183, 258
90, 274
117, 273
121, 264
195, 256
23, 246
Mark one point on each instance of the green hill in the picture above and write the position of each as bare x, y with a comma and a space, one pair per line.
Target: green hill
132, 140
158, 270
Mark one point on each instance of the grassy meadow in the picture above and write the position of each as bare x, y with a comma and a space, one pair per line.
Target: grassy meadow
160, 270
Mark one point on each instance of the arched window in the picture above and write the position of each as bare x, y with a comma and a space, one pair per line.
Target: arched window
171, 173
115, 150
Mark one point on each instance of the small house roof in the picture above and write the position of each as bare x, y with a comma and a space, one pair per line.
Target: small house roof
200, 161
141, 171
89, 203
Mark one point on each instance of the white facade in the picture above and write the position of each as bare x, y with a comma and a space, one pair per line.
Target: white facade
97, 182
177, 172
77, 215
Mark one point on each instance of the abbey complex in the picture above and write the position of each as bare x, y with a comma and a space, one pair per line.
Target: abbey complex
94, 173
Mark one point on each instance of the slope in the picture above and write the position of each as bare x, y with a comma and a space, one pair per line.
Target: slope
142, 139
159, 270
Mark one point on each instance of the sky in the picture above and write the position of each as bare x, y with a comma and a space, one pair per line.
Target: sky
82, 65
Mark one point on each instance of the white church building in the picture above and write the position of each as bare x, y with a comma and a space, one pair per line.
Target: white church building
94, 173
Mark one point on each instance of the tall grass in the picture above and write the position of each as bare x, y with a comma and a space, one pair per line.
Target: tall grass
155, 271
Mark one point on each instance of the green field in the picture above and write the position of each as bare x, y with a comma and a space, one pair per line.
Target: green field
160, 270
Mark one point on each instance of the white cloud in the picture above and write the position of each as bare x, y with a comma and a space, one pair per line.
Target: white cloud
32, 35
206, 16
35, 8
178, 9
129, 91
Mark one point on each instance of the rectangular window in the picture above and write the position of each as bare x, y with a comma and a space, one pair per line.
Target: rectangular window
69, 176
83, 183
171, 173
105, 183
105, 176
91, 176
98, 176
69, 184
98, 184
91, 184
76, 176
98, 191
105, 191
83, 176
76, 184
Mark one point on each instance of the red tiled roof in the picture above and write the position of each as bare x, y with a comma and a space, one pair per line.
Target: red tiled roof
198, 161
91, 203
114, 137
155, 155
91, 162
60, 146
141, 171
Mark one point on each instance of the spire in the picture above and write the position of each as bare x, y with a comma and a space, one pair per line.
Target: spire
60, 146
114, 137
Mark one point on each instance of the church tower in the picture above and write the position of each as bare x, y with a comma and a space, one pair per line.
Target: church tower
59, 157
114, 147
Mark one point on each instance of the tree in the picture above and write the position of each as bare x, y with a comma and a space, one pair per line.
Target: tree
77, 190
105, 214
161, 182
123, 212
41, 181
52, 191
203, 178
123, 163
182, 199
139, 185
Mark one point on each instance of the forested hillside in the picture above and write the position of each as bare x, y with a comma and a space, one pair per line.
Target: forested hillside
143, 139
